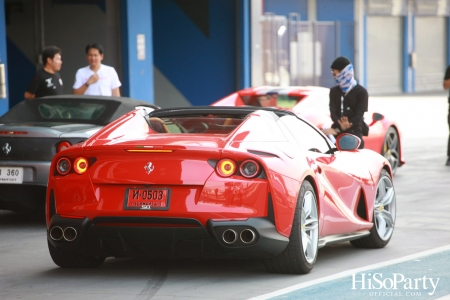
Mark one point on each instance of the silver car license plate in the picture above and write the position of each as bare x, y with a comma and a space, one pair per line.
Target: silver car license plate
11, 175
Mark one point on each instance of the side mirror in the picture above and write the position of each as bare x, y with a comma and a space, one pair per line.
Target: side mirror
347, 142
377, 117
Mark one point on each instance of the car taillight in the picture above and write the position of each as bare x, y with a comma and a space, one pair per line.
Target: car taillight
80, 165
226, 167
63, 166
249, 169
63, 145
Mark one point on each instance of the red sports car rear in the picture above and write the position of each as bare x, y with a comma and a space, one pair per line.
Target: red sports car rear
215, 182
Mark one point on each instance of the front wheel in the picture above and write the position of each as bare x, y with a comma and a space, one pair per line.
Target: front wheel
391, 148
384, 211
300, 255
71, 260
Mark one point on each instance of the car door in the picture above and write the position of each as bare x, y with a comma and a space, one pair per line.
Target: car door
338, 174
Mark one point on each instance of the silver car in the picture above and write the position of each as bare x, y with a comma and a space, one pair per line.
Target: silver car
33, 131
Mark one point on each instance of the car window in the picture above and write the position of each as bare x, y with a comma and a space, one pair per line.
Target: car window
71, 110
205, 124
271, 100
285, 101
68, 109
307, 137
260, 126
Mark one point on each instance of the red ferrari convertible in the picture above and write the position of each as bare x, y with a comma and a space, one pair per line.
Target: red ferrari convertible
216, 182
312, 103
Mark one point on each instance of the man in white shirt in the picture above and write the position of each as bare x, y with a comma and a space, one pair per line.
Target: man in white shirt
96, 79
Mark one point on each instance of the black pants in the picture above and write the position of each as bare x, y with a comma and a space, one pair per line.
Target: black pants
361, 146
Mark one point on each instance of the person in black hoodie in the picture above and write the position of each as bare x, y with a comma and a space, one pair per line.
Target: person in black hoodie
348, 101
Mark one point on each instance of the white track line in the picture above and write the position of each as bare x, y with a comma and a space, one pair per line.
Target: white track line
350, 272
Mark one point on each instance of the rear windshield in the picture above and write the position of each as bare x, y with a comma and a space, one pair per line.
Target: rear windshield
271, 100
71, 110
84, 111
209, 124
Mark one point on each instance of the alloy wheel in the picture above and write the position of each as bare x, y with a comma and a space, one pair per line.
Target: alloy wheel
385, 208
309, 227
391, 148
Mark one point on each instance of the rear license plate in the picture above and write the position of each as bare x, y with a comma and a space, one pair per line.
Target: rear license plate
147, 199
11, 175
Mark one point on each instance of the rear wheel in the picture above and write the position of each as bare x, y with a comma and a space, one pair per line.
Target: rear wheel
383, 215
300, 255
70, 260
391, 148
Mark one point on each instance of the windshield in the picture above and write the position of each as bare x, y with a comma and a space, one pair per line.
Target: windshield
207, 124
271, 100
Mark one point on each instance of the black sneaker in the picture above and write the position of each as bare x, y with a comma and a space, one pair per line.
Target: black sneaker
448, 162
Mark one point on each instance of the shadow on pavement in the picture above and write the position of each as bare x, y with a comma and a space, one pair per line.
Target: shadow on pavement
15, 219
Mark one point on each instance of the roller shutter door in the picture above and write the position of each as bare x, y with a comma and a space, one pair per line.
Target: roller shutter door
430, 50
384, 54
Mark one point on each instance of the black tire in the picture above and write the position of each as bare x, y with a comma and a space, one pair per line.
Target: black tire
293, 260
385, 189
391, 148
70, 260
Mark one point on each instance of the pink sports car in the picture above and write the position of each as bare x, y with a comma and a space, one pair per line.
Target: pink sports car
312, 103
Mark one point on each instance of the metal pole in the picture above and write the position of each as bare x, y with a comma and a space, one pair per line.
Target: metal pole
314, 37
2, 81
42, 24
338, 38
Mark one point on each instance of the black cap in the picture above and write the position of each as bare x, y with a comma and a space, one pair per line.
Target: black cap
340, 63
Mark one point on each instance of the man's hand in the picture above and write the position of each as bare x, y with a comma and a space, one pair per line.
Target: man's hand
29, 96
328, 131
446, 84
344, 123
82, 89
93, 79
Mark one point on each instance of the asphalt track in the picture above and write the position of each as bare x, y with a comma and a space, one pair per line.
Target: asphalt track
422, 275
418, 248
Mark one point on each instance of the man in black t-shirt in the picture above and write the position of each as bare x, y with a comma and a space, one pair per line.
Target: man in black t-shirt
446, 87
46, 81
348, 101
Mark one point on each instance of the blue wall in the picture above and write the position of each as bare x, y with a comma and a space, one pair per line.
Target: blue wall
343, 11
408, 84
4, 106
244, 45
19, 77
197, 52
332, 10
137, 73
284, 7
